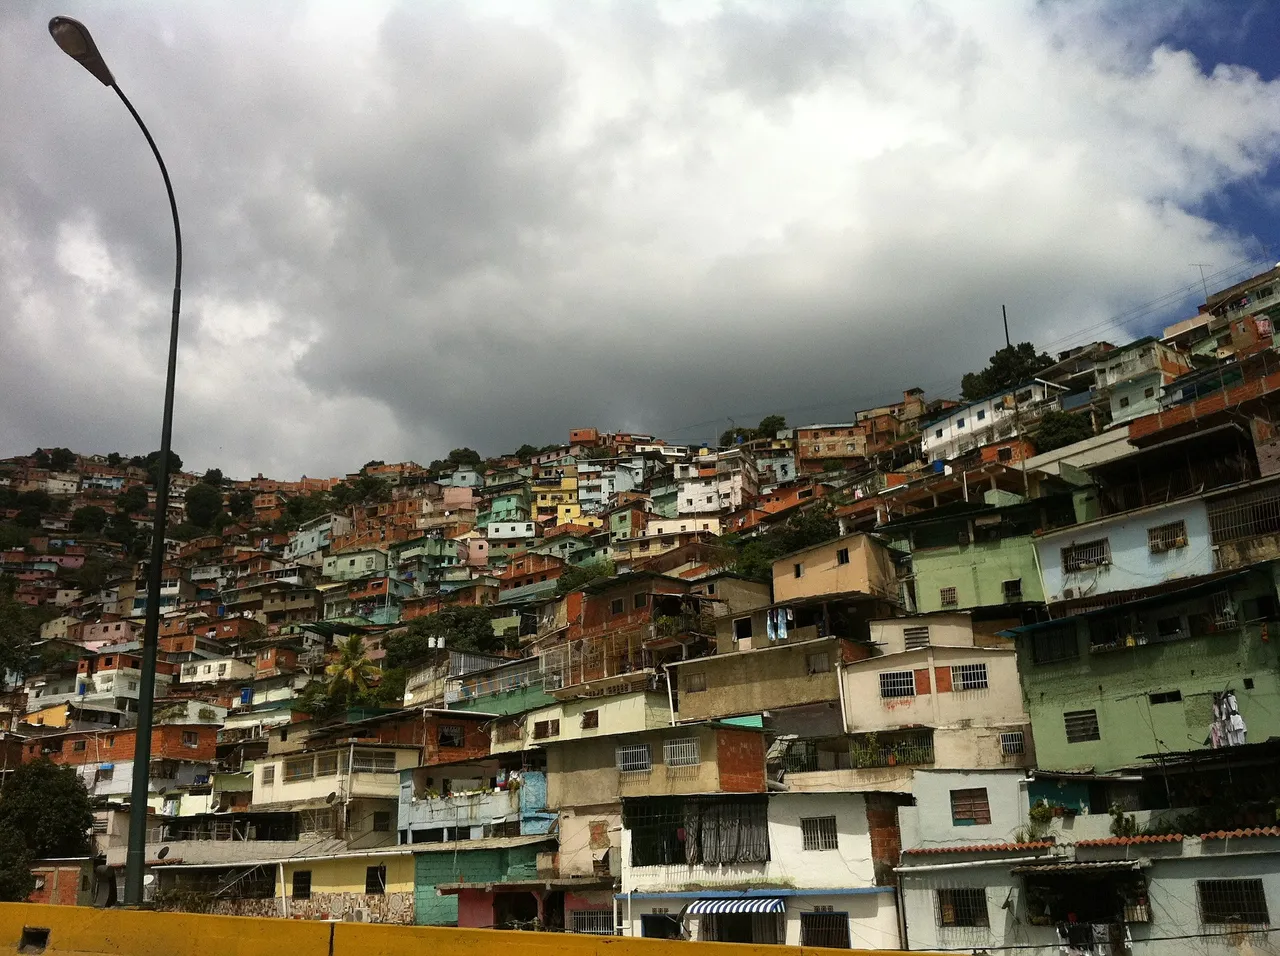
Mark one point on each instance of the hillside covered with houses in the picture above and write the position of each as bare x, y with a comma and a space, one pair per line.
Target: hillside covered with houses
988, 672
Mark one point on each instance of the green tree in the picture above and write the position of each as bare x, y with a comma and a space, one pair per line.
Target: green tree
184, 531
770, 425
115, 459
93, 575
62, 459
1012, 365
41, 458
525, 452
204, 504
213, 477
152, 464
19, 630
303, 508
90, 518
16, 880
730, 436
240, 504
11, 536
49, 806
132, 500
350, 676
575, 577
755, 556
374, 463
120, 528
39, 500
28, 517
465, 456
462, 628
1059, 429
364, 489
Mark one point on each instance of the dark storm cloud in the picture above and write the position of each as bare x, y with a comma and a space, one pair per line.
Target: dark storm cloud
417, 226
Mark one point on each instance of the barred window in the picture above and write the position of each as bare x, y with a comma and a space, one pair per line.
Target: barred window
299, 768
1081, 725
694, 682
374, 761
970, 807
818, 833
963, 906
969, 677
1055, 644
898, 684
818, 663
1167, 537
947, 597
375, 880
1090, 554
268, 775
596, 922
546, 728
451, 735
634, 758
681, 752
1237, 902
830, 930
327, 764
1012, 590
1012, 743
590, 719
916, 637
301, 884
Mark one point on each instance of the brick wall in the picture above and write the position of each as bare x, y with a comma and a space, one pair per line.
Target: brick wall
886, 838
740, 757
57, 884
118, 745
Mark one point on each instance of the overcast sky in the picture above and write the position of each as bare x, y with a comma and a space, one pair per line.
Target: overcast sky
415, 226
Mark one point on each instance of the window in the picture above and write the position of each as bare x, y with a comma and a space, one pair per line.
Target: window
1012, 744
916, 637
1149, 393
694, 681
959, 423
1166, 697
799, 570
596, 922
741, 628
546, 728
634, 758
898, 684
1239, 902
133, 685
1167, 537
616, 606
327, 764
78, 745
982, 414
375, 880
842, 556
590, 719
1013, 590
825, 929
818, 663
381, 821
268, 775
818, 833
1124, 402
1090, 554
451, 735
1004, 454
947, 597
963, 906
1055, 644
299, 768
970, 807
660, 925
681, 752
301, 884
937, 433
969, 677
1081, 725
374, 761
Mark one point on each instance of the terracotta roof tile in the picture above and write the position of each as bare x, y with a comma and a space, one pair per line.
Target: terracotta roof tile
982, 848
1127, 841
1251, 832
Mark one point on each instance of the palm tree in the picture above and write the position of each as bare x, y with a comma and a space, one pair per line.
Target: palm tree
352, 672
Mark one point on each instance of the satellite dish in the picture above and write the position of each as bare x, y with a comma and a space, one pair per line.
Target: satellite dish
329, 799
149, 879
162, 853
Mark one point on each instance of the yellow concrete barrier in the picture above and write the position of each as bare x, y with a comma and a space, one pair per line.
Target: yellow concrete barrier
82, 931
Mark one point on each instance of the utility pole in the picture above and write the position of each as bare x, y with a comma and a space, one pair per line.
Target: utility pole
1005, 312
1203, 282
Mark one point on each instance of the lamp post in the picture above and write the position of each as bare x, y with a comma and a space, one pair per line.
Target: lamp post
76, 42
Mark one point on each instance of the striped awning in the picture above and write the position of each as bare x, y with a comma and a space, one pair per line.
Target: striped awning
763, 904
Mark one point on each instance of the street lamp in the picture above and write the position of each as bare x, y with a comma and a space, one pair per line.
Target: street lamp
76, 42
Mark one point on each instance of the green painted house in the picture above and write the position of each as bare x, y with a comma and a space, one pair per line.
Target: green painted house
1106, 688
492, 860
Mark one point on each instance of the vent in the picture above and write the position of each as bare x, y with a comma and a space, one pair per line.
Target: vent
916, 637
1012, 744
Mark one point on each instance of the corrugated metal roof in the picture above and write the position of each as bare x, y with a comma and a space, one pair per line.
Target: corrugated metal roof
1097, 866
982, 848
1129, 840
1250, 832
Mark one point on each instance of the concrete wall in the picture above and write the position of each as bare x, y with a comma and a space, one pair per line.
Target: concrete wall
929, 823
624, 713
1132, 563
869, 570
977, 571
955, 630
754, 681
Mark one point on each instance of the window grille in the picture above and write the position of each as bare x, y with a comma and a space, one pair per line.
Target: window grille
268, 775
963, 906
830, 930
948, 597
1013, 590
1167, 537
682, 752
509, 732
596, 922
818, 833
301, 884
451, 735
374, 761
299, 768
898, 684
916, 637
969, 677
1236, 902
890, 749
1090, 554
316, 821
1012, 744
1244, 516
375, 880
381, 821
1224, 611
1055, 644
818, 663
694, 681
970, 807
1166, 697
546, 728
590, 719
1081, 725
634, 758
327, 765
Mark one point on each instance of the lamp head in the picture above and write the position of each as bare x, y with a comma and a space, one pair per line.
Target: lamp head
76, 42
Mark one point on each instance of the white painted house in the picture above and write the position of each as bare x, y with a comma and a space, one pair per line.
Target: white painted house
991, 419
